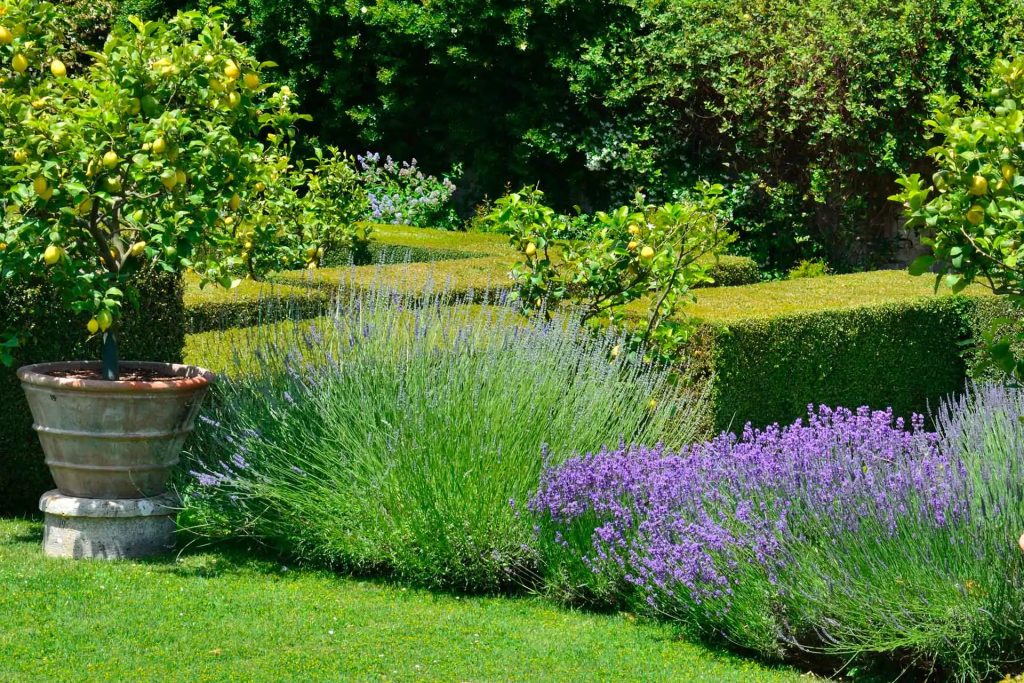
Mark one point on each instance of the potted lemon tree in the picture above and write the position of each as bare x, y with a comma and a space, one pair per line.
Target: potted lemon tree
151, 157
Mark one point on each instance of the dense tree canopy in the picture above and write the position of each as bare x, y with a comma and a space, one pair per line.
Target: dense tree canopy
806, 109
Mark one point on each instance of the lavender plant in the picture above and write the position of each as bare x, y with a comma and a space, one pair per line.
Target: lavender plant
844, 535
400, 193
392, 434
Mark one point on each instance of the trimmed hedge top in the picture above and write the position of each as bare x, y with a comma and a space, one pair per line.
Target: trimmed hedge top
442, 240
812, 295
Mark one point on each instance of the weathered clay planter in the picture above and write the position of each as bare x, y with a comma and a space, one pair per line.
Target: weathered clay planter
113, 439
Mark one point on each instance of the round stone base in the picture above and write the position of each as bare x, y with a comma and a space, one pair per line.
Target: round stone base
107, 529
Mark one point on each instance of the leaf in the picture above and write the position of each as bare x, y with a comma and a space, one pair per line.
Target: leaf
921, 265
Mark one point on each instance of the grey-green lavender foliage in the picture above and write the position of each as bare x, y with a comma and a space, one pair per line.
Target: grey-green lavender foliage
396, 433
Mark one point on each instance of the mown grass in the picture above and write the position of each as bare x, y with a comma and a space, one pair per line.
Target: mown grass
228, 616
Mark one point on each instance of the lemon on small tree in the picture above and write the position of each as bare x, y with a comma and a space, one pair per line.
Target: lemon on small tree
971, 213
144, 158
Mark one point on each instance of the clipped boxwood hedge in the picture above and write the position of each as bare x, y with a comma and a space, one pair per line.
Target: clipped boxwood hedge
404, 257
250, 303
157, 335
879, 339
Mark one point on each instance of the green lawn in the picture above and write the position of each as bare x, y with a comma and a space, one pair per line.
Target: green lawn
224, 617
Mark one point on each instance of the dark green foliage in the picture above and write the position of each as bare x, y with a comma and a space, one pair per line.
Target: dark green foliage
907, 355
807, 109
58, 335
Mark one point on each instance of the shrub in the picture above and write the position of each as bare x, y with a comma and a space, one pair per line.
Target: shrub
808, 268
845, 535
658, 251
335, 207
53, 336
394, 436
401, 194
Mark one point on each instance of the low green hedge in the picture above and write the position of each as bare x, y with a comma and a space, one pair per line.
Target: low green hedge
879, 339
250, 303
404, 257
158, 335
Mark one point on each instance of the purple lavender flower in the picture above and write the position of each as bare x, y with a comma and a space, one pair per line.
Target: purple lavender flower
673, 522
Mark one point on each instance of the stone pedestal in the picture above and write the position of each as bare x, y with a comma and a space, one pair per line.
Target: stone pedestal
108, 529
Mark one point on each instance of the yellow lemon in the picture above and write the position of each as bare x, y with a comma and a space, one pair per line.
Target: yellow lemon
110, 159
231, 70
235, 202
634, 230
105, 320
229, 220
531, 249
134, 106
248, 246
45, 195
252, 81
52, 255
259, 187
84, 206
180, 177
1008, 171
233, 100
647, 253
169, 178
58, 69
6, 37
40, 185
3, 246
19, 63
21, 156
978, 186
216, 86
112, 184
114, 256
159, 146
93, 326
138, 249
976, 214
310, 253
633, 245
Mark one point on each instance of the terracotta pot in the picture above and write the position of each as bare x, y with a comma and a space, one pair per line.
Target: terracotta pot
113, 439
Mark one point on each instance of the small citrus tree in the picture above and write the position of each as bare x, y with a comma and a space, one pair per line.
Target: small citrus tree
337, 206
639, 251
150, 156
972, 211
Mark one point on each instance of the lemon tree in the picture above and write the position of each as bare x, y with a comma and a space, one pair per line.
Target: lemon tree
336, 208
636, 252
159, 153
971, 211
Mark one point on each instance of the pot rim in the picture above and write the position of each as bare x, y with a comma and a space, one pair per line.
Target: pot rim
190, 378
